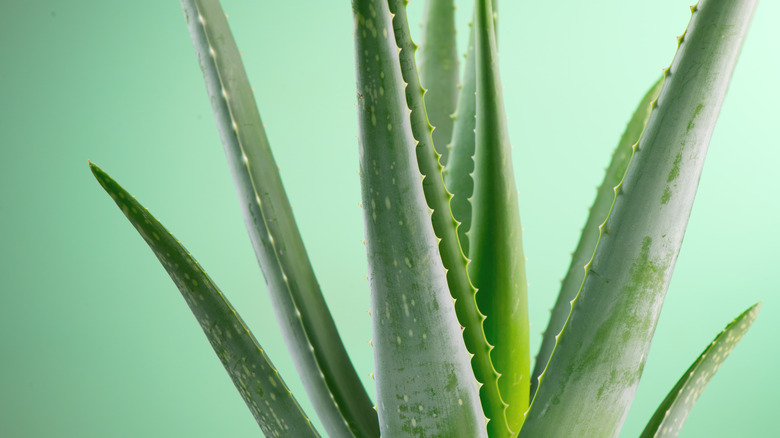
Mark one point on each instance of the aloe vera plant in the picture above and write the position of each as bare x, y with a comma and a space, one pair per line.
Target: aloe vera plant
443, 239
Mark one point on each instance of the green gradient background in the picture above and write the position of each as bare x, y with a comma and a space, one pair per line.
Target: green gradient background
95, 339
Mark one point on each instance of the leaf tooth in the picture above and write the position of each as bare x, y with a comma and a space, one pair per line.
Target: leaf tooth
193, 282
429, 162
637, 152
213, 32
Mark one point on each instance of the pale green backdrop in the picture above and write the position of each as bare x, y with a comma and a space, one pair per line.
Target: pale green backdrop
95, 340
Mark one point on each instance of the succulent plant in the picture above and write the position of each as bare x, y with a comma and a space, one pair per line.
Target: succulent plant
443, 239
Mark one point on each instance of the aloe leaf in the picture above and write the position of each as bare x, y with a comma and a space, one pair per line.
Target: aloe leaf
460, 166
257, 380
438, 65
444, 226
425, 385
673, 411
322, 362
594, 370
495, 20
498, 265
590, 232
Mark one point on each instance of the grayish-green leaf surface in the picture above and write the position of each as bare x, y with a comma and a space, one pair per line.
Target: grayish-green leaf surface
425, 385
673, 411
322, 362
444, 226
591, 378
590, 232
497, 266
438, 63
273, 406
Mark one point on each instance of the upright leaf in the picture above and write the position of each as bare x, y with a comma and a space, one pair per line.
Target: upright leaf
425, 386
460, 166
438, 63
496, 250
322, 362
265, 393
591, 378
590, 232
495, 20
444, 226
673, 411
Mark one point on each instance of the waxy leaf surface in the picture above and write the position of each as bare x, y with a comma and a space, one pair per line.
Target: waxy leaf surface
425, 385
590, 232
673, 411
310, 333
259, 383
594, 370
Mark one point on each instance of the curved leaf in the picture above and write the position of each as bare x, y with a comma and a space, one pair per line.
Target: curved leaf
497, 266
265, 393
590, 232
310, 333
444, 226
591, 378
425, 386
673, 411
438, 64
460, 166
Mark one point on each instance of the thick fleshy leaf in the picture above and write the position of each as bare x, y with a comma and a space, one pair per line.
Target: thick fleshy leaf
273, 406
590, 232
594, 370
673, 411
424, 382
444, 226
310, 333
495, 20
460, 166
497, 266
438, 62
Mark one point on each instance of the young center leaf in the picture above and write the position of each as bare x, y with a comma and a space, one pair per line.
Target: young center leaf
497, 266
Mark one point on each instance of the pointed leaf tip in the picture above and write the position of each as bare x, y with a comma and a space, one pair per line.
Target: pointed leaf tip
320, 357
668, 419
257, 380
595, 367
